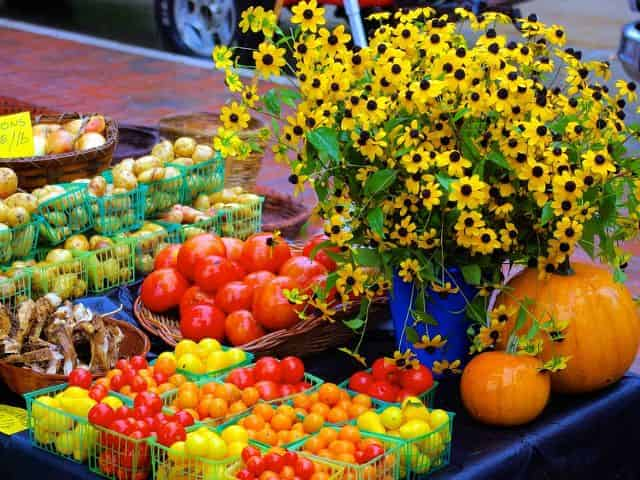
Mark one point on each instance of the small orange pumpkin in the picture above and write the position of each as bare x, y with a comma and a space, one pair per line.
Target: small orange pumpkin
603, 331
504, 389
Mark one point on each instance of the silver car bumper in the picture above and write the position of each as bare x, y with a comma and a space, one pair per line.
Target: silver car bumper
629, 51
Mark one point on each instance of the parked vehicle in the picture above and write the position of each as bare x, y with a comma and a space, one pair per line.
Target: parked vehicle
629, 50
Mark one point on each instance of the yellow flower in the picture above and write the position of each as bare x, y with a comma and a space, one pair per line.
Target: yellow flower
222, 57
469, 192
502, 313
491, 334
404, 232
403, 359
409, 269
258, 20
250, 96
444, 367
308, 15
269, 59
444, 288
234, 116
430, 345
232, 81
350, 280
598, 162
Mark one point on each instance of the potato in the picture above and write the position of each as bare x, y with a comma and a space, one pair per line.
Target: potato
202, 202
202, 153
152, 227
4, 212
58, 255
23, 241
97, 186
18, 216
191, 215
164, 151
108, 224
184, 147
151, 175
146, 163
8, 182
125, 164
184, 161
25, 200
56, 219
226, 195
39, 145
190, 232
78, 217
80, 288
174, 215
125, 179
248, 198
144, 263
77, 242
96, 242
63, 285
7, 287
171, 172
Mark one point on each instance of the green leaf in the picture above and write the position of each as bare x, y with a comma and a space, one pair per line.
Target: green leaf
412, 335
423, 317
589, 231
325, 140
379, 182
272, 102
366, 257
608, 205
560, 125
619, 276
354, 324
375, 218
317, 247
532, 331
498, 159
472, 274
275, 127
321, 190
547, 214
522, 315
460, 113
331, 281
289, 97
444, 181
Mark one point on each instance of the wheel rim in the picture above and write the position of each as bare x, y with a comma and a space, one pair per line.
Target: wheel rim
203, 24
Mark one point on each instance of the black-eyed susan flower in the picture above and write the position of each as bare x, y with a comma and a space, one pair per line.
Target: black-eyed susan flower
430, 344
598, 163
308, 15
350, 280
234, 116
445, 367
269, 59
409, 270
469, 192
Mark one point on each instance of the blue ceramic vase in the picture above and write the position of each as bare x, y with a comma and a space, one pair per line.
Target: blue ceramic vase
448, 310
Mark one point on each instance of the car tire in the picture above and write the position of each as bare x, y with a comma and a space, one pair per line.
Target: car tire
173, 34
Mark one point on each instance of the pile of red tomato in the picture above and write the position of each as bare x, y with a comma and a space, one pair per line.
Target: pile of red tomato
227, 288
272, 378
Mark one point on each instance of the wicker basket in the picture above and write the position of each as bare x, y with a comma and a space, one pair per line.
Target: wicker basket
203, 126
35, 172
282, 212
21, 379
305, 338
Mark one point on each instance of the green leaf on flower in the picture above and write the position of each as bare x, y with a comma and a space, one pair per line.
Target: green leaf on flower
355, 323
275, 127
498, 159
380, 181
289, 97
367, 257
375, 218
325, 140
472, 274
589, 231
547, 214
317, 247
444, 181
460, 113
522, 314
608, 205
272, 101
619, 276
423, 317
412, 335
331, 281
560, 125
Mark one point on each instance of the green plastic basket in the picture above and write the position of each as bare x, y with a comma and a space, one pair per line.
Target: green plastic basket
205, 177
210, 225
66, 214
427, 397
241, 221
169, 466
149, 243
120, 212
382, 467
215, 374
163, 194
55, 430
16, 288
67, 279
111, 266
19, 242
119, 457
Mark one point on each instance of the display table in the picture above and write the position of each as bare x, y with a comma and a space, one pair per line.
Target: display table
584, 437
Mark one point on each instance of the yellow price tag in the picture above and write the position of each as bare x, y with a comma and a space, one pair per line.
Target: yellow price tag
16, 136
12, 419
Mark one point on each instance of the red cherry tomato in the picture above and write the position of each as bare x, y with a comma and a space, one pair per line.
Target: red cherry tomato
101, 414
255, 465
383, 390
372, 451
262, 252
139, 384
304, 468
202, 321
160, 377
360, 382
273, 461
138, 362
268, 368
302, 269
384, 369
98, 392
240, 327
404, 393
244, 474
321, 255
150, 400
122, 364
233, 247
250, 451
241, 378
290, 458
170, 433
129, 374
184, 418
416, 380
196, 296
213, 272
196, 248
163, 289
122, 413
117, 382
257, 279
141, 412
268, 390
292, 370
271, 308
286, 390
234, 296
80, 377
167, 257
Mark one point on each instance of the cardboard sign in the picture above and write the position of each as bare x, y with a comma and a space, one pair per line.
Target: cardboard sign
16, 136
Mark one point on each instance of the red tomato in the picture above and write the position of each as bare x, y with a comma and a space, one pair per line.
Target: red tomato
244, 474
160, 377
170, 433
213, 272
196, 248
240, 327
404, 393
268, 368
321, 255
129, 374
302, 269
122, 364
304, 468
117, 382
286, 390
262, 252
360, 382
150, 400
273, 461
122, 413
233, 247
119, 426
101, 414
250, 451
292, 370
255, 465
80, 377
384, 369
268, 390
372, 451
202, 321
257, 279
138, 362
383, 390
139, 384
416, 380
196, 296
184, 418
290, 458
163, 289
98, 392
234, 296
140, 412
107, 462
241, 378
270, 307
167, 257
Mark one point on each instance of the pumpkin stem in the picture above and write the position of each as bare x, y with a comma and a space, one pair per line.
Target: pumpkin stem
565, 269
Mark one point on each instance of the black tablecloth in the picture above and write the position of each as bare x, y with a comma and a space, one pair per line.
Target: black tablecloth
584, 437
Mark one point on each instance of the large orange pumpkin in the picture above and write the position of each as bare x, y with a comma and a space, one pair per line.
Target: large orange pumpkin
504, 389
603, 329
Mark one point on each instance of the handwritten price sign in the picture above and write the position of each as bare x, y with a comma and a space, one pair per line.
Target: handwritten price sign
16, 136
